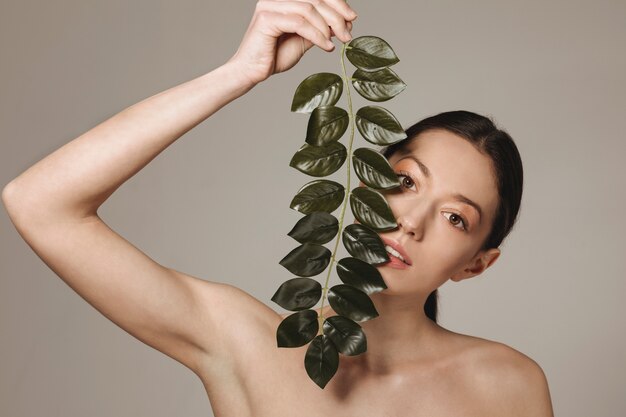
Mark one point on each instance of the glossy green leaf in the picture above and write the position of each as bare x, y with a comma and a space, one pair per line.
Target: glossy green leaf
364, 243
307, 260
318, 195
361, 275
378, 126
380, 85
347, 335
351, 303
370, 53
321, 360
317, 227
371, 209
374, 169
326, 125
297, 329
319, 161
321, 89
298, 294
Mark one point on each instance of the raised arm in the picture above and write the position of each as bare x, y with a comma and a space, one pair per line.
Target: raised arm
54, 203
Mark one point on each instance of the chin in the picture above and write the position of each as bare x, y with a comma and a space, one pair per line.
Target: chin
402, 282
397, 284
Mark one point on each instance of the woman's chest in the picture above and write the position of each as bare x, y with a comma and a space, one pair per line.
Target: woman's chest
278, 385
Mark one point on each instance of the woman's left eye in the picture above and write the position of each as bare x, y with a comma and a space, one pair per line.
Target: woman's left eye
460, 221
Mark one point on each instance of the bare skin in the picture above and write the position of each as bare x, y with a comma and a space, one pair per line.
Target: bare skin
413, 366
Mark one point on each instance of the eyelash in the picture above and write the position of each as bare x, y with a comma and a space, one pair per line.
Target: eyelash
406, 174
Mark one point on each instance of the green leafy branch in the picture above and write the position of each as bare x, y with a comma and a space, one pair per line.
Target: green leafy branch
321, 155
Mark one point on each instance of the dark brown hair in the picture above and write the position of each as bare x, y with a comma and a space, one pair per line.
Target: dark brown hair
507, 167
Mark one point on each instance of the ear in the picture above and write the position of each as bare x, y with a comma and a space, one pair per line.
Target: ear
480, 262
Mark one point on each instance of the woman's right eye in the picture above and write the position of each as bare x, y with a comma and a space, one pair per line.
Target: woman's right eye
406, 180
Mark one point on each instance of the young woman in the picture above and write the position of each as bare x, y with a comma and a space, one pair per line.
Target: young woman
461, 189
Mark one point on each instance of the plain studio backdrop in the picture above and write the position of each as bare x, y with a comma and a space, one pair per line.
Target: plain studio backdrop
215, 204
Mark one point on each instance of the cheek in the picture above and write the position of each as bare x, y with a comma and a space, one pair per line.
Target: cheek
453, 257
442, 252
398, 202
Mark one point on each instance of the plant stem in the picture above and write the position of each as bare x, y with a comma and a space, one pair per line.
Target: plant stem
345, 201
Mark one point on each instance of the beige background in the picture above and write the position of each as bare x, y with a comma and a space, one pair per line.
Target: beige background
553, 73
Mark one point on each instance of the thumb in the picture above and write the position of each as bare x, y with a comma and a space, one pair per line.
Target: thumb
306, 45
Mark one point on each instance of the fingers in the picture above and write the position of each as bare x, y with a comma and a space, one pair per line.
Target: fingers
304, 9
342, 7
335, 20
295, 23
335, 14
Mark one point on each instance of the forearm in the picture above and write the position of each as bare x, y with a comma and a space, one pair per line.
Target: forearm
77, 178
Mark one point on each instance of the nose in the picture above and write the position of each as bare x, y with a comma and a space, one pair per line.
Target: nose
412, 224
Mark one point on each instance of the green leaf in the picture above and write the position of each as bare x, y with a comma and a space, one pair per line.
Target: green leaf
370, 208
351, 303
370, 53
347, 335
318, 227
361, 275
319, 161
364, 243
326, 125
307, 259
321, 360
321, 89
297, 329
374, 169
318, 195
298, 294
380, 85
378, 126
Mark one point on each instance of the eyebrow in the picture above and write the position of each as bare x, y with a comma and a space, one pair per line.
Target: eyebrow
427, 174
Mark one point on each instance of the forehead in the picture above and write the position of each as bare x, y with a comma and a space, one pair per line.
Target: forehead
456, 166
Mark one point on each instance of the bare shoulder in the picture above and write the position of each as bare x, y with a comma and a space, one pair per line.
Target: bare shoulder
507, 379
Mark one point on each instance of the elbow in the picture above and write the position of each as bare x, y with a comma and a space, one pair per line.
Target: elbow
26, 209
16, 204
9, 200
7, 195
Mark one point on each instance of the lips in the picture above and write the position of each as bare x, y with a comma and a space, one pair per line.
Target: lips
394, 244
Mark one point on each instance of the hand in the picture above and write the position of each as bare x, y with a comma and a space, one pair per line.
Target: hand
281, 31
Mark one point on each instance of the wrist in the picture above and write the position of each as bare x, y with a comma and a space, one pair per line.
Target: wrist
236, 73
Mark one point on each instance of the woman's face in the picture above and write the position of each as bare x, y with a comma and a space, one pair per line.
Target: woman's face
440, 234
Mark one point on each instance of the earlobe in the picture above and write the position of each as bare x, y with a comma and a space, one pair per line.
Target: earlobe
479, 264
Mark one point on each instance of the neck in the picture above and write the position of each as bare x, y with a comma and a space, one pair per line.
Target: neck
401, 334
